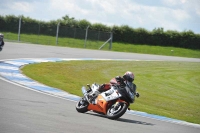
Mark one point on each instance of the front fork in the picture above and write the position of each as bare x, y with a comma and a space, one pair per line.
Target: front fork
85, 93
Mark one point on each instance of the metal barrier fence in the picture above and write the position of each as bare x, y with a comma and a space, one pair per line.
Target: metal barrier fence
59, 35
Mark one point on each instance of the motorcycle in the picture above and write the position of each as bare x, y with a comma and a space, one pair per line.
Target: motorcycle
1, 46
1, 42
112, 103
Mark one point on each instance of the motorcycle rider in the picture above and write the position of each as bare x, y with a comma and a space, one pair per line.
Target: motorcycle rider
125, 82
1, 41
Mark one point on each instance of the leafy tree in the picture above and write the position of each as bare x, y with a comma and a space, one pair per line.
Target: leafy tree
84, 24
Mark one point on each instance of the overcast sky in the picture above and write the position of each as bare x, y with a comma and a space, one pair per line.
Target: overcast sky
177, 15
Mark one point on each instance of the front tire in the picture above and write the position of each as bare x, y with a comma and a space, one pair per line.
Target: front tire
114, 113
82, 105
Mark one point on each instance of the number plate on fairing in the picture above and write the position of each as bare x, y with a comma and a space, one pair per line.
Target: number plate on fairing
110, 94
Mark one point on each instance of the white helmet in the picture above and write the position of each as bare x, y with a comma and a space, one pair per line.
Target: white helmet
129, 76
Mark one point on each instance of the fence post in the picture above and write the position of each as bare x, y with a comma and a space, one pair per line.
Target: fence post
57, 33
19, 28
38, 33
86, 35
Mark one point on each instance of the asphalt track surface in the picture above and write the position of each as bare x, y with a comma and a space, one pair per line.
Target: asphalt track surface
26, 111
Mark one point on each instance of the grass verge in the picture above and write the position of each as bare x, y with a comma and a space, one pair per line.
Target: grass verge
121, 47
169, 89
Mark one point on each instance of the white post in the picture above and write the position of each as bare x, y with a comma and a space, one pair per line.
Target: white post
105, 43
111, 38
19, 28
57, 33
86, 35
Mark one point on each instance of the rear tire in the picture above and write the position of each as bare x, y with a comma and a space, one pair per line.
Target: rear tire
116, 113
82, 105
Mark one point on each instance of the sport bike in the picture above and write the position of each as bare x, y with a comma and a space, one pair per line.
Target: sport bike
112, 103
1, 46
1, 42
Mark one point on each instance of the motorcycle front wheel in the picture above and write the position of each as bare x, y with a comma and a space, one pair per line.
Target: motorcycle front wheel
114, 112
81, 106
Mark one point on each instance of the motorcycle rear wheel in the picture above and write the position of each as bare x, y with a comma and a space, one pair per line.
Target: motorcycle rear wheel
113, 113
81, 106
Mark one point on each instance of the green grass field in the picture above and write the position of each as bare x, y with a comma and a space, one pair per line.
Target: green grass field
169, 89
121, 47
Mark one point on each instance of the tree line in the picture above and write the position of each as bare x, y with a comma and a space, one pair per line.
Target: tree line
124, 33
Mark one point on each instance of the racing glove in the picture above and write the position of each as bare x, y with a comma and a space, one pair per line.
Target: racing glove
137, 94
